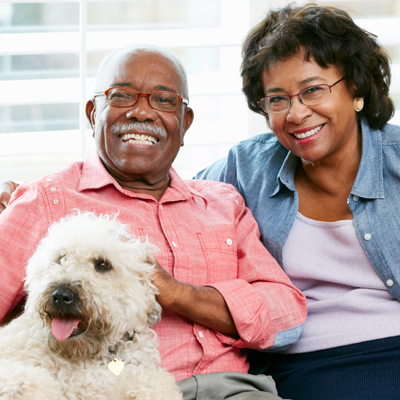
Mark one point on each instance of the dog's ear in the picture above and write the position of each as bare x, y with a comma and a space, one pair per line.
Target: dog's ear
154, 314
154, 311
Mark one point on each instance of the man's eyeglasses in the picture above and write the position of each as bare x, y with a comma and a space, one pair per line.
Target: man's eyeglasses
310, 96
124, 97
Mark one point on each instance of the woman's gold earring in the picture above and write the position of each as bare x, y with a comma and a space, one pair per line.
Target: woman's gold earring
359, 103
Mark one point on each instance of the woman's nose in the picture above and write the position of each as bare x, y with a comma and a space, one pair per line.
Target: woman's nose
297, 110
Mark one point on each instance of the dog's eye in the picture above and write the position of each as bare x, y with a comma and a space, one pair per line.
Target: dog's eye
102, 266
60, 258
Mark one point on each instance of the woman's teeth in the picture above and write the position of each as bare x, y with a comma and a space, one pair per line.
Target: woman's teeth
139, 139
308, 133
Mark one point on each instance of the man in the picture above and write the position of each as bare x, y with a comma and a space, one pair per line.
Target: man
220, 290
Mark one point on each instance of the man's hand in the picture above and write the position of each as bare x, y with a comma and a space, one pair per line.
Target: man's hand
6, 190
202, 304
169, 288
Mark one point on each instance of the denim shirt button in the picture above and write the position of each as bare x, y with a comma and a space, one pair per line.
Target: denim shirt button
356, 198
389, 283
367, 236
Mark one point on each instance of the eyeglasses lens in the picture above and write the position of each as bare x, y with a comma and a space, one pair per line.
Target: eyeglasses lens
314, 94
164, 101
275, 103
121, 98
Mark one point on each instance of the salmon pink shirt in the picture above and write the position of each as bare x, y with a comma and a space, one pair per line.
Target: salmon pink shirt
205, 236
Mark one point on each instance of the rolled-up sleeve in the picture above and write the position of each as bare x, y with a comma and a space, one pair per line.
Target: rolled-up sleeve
267, 309
22, 225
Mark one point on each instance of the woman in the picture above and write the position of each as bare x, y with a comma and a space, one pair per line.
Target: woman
325, 190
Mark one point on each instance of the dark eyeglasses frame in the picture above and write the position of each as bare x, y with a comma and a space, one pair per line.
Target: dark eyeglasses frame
139, 95
297, 95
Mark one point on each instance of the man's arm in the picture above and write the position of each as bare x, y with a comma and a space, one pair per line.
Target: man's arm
6, 190
22, 226
267, 309
258, 308
201, 304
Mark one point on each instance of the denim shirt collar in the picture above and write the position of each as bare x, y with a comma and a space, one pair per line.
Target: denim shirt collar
369, 180
286, 174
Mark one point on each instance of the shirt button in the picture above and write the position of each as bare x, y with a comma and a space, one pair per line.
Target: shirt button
174, 244
236, 202
53, 189
389, 282
55, 201
229, 242
161, 207
201, 334
356, 198
367, 236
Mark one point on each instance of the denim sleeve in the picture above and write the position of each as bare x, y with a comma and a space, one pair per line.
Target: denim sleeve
223, 170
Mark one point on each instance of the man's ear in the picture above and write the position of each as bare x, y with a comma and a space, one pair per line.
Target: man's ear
91, 112
187, 121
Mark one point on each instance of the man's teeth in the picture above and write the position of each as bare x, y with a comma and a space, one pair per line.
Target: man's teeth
139, 139
308, 133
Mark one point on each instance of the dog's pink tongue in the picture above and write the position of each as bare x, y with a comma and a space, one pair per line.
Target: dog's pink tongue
61, 328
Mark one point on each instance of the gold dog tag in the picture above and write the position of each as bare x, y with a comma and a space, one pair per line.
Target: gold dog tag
116, 366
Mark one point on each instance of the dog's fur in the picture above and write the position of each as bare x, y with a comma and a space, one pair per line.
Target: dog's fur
109, 276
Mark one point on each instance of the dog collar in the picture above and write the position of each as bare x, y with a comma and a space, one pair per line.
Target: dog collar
116, 365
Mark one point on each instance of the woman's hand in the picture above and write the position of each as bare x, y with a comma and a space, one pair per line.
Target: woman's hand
6, 190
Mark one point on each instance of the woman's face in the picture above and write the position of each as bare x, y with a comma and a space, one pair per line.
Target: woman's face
322, 132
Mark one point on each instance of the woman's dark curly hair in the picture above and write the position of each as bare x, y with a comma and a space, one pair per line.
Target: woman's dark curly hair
330, 37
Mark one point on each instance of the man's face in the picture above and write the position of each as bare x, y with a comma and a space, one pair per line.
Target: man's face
126, 156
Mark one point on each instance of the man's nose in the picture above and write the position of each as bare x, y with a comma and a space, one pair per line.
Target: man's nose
297, 110
142, 110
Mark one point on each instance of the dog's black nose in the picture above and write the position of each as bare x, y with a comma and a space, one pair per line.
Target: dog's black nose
62, 296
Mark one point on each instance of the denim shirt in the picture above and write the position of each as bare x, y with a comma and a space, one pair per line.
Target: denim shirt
263, 171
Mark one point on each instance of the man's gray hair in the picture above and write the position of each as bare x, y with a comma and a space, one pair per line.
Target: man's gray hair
100, 75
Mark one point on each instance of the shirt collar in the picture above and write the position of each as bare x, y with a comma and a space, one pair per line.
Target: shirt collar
286, 174
179, 190
95, 176
369, 180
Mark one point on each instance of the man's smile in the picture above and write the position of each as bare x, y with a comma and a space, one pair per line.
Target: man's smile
139, 139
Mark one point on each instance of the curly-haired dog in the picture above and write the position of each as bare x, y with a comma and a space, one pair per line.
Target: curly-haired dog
90, 306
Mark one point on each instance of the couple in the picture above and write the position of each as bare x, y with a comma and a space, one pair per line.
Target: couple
323, 188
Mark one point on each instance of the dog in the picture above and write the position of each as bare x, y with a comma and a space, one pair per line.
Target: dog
86, 330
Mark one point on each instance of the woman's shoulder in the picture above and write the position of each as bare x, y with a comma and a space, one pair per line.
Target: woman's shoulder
248, 157
263, 147
264, 140
391, 134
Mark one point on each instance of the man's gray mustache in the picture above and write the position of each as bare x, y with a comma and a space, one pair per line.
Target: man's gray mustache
143, 126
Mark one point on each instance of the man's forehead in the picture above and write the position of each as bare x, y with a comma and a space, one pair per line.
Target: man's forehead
138, 62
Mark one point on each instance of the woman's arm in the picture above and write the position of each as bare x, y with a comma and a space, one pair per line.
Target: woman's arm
6, 190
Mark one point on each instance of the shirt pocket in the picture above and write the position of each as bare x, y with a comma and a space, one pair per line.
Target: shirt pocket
219, 246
